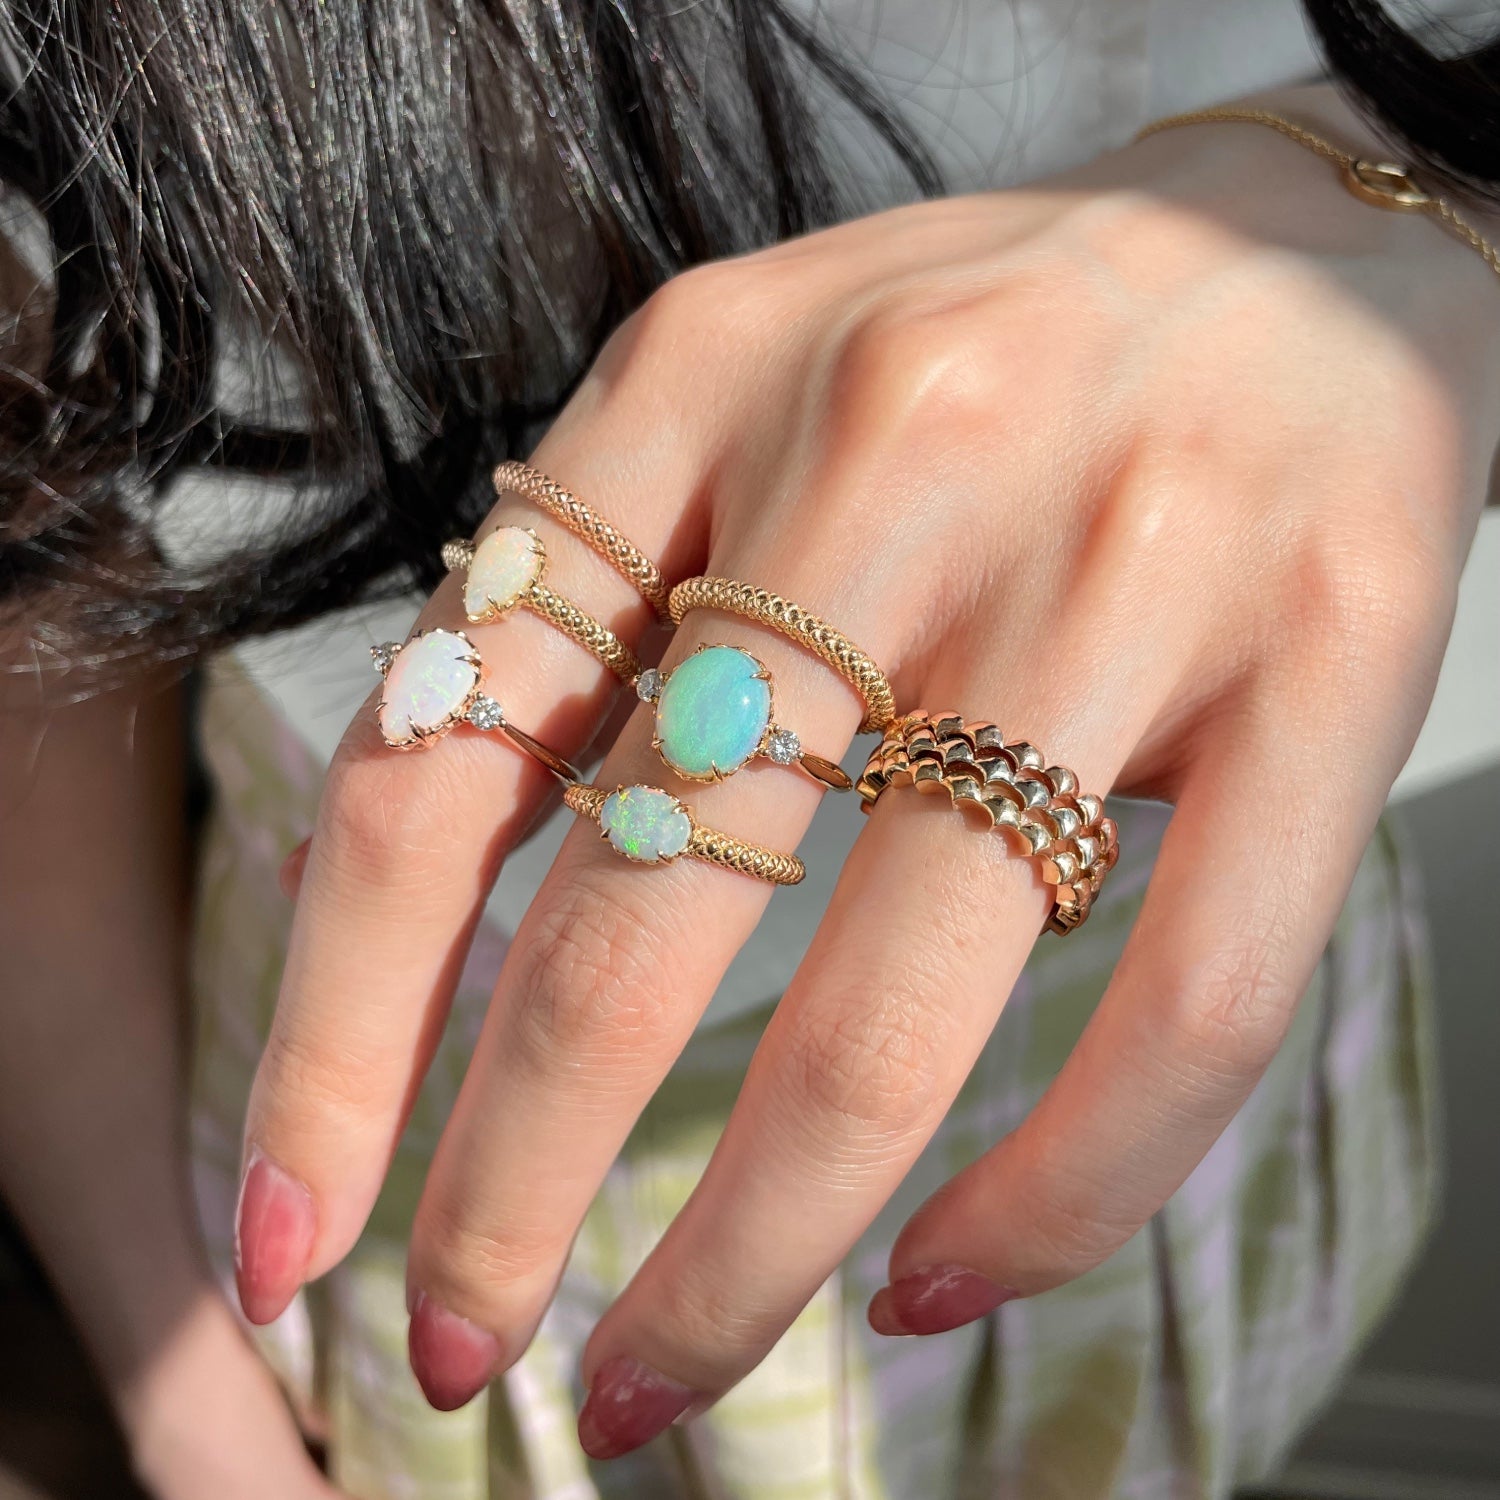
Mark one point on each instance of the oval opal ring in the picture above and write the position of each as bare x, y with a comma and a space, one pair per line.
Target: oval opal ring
799, 625
504, 571
652, 827
715, 713
433, 684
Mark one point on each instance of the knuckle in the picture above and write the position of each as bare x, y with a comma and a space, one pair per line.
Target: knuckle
909, 372
314, 1085
379, 820
870, 1065
462, 1246
717, 294
1236, 1009
592, 986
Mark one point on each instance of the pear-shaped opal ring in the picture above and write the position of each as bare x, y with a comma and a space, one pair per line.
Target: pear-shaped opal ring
504, 571
715, 713
433, 683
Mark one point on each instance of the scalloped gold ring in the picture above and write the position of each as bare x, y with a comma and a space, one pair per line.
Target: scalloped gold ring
1009, 785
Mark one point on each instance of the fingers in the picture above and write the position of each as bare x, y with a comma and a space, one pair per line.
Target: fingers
391, 887
608, 974
1246, 889
930, 924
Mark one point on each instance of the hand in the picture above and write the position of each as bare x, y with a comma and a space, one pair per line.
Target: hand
1170, 466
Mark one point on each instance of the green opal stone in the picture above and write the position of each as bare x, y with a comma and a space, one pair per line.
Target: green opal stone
645, 823
712, 713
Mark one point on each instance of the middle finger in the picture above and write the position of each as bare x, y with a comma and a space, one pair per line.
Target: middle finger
608, 974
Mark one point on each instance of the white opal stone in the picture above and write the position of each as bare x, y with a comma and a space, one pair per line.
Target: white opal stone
427, 686
645, 823
506, 564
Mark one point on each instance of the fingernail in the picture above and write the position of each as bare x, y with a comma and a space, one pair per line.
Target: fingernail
629, 1403
933, 1300
273, 1236
452, 1358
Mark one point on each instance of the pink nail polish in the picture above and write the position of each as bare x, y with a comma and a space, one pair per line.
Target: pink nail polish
452, 1358
629, 1403
273, 1237
933, 1300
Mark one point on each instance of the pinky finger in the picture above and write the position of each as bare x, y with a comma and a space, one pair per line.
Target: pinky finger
1245, 894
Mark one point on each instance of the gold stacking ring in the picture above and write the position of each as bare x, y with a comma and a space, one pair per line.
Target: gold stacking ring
505, 569
652, 827
433, 683
798, 625
585, 522
1009, 785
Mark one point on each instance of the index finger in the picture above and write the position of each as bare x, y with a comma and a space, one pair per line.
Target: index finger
406, 849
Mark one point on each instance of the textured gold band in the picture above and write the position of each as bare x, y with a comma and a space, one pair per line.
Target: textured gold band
1011, 787
798, 625
1383, 184
585, 522
707, 844
599, 640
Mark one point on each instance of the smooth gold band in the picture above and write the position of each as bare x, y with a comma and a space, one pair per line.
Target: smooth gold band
799, 625
586, 523
693, 840
533, 594
1010, 785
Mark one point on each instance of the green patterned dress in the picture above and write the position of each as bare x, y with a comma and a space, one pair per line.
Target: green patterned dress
1181, 1367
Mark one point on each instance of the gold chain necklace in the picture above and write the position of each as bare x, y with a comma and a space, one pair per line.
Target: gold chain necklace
1382, 183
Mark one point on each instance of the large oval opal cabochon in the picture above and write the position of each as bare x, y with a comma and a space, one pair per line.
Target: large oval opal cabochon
505, 564
427, 686
645, 823
713, 712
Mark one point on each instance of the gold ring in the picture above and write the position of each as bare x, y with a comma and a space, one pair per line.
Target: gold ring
433, 684
1011, 787
504, 570
798, 625
585, 522
715, 712
652, 827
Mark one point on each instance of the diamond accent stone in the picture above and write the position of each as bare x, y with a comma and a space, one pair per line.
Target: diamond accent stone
383, 655
783, 747
648, 685
486, 713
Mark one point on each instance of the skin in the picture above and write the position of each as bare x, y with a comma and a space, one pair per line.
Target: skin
92, 1158
1171, 466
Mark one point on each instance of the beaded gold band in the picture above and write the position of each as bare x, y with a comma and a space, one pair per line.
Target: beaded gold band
798, 625
433, 683
504, 571
1010, 786
651, 826
586, 523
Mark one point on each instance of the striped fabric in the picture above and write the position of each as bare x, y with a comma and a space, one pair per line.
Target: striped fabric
1182, 1367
